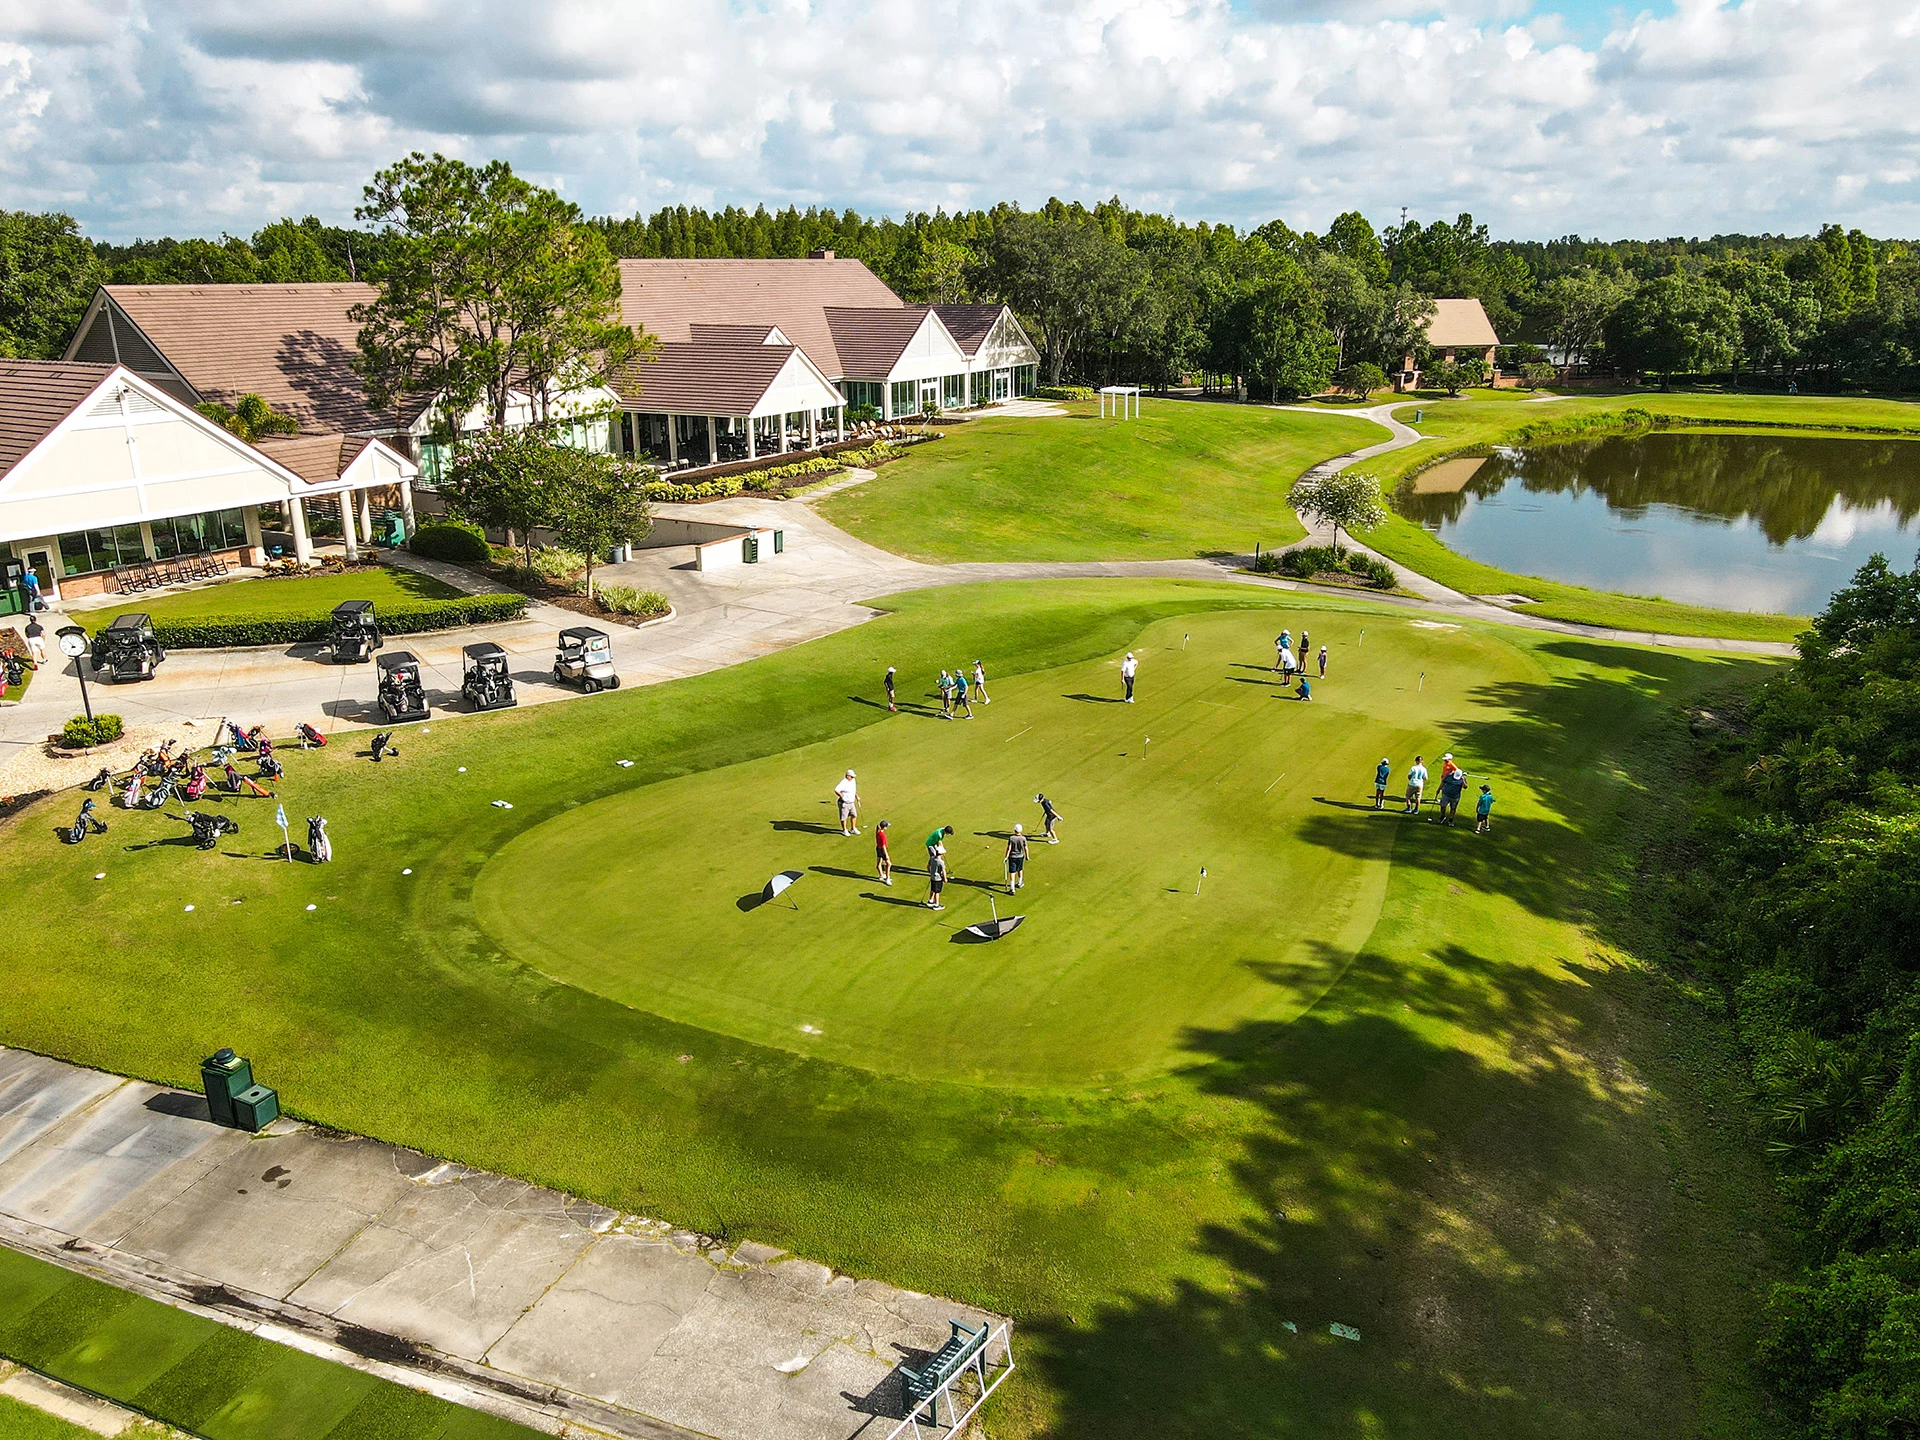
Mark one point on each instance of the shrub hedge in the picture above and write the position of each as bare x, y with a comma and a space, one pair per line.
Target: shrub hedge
1064, 392
80, 733
453, 540
1308, 561
220, 632
714, 489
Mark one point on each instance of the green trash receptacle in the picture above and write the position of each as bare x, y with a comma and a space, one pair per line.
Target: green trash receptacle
779, 542
394, 531
256, 1107
224, 1075
750, 550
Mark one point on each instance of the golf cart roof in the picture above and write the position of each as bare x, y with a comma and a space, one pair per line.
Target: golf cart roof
397, 659
483, 650
585, 634
134, 621
349, 609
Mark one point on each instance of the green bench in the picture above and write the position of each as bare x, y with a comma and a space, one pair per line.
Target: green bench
923, 1386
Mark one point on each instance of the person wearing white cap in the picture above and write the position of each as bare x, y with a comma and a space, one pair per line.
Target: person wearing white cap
1129, 667
848, 793
1016, 859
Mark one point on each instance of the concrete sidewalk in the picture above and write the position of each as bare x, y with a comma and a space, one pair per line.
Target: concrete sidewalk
548, 1310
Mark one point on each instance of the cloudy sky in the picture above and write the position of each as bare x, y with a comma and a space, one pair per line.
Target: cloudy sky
1540, 116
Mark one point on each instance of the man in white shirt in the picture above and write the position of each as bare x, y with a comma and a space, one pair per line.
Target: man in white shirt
1128, 668
848, 792
1416, 783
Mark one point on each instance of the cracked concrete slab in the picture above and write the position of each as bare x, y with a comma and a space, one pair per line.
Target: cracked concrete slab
538, 1304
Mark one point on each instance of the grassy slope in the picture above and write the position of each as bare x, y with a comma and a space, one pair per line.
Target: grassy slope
1470, 1147
1486, 417
302, 595
203, 1376
1187, 478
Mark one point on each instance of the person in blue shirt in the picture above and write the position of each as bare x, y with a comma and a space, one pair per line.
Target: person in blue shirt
1483, 812
1453, 781
1306, 687
1380, 778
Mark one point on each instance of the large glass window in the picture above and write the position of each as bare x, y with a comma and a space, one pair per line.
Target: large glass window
983, 387
75, 558
85, 551
953, 391
1023, 380
906, 397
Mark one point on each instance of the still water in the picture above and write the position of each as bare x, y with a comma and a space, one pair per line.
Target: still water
1740, 522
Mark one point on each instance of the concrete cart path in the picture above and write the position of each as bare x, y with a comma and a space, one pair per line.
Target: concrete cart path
548, 1310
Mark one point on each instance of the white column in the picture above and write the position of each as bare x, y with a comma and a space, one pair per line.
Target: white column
839, 422
784, 446
366, 516
753, 438
713, 439
813, 424
297, 518
347, 526
250, 517
673, 437
406, 505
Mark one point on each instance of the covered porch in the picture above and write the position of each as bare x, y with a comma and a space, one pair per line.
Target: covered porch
670, 440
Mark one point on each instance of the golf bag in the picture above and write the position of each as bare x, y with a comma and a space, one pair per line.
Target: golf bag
310, 738
85, 823
196, 785
319, 847
254, 738
17, 667
130, 797
158, 795
208, 827
219, 754
271, 768
100, 781
383, 745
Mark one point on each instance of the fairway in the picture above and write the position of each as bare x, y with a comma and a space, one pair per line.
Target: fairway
1185, 478
1378, 1073
1120, 959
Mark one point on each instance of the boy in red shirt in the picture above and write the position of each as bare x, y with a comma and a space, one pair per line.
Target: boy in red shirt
882, 859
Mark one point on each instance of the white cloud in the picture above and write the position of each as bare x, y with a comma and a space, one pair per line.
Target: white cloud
191, 118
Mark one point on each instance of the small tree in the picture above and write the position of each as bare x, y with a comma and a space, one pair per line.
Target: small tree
595, 502
499, 479
1361, 379
1453, 377
1346, 499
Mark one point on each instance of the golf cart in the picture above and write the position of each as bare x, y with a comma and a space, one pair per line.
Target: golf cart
354, 636
585, 657
127, 649
401, 697
488, 686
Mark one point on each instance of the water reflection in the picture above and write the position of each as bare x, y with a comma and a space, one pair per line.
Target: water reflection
1743, 522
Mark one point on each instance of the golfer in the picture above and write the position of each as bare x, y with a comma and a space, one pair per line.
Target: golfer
1282, 645
1306, 687
1380, 777
1129, 667
1016, 859
946, 696
980, 683
1050, 815
1416, 785
1323, 662
888, 682
1286, 668
936, 876
1453, 781
847, 792
934, 841
882, 859
960, 700
1303, 649
36, 639
1483, 812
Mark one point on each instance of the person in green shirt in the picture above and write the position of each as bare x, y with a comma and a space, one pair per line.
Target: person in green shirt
1483, 812
935, 840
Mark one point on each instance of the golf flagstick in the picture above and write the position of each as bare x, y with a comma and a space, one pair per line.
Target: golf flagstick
1201, 881
286, 840
1423, 680
1184, 639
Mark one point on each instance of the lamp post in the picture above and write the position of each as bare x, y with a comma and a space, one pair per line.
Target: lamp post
73, 644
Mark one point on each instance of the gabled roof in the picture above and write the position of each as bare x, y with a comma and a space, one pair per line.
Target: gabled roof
718, 378
763, 334
1460, 324
293, 345
870, 342
35, 396
969, 324
669, 297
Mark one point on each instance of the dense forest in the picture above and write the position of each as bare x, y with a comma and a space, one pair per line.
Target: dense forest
1112, 292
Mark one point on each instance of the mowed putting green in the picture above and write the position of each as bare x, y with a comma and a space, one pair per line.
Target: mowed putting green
1214, 766
1378, 1074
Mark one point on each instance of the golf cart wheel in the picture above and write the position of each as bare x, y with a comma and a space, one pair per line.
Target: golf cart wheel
614, 683
590, 686
558, 678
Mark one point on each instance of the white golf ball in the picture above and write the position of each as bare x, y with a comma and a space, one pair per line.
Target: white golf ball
101, 876
313, 907
463, 769
407, 871
423, 730
189, 910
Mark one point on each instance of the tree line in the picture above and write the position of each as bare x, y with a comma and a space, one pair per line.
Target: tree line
1112, 292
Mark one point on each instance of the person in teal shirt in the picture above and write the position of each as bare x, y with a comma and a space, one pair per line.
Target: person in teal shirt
1380, 777
1483, 812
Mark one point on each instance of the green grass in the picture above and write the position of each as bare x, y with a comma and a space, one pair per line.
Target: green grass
300, 596
24, 1422
198, 1374
1187, 478
1378, 1072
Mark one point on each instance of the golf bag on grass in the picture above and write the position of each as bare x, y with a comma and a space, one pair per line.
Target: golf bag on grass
158, 793
319, 846
85, 823
270, 768
130, 796
310, 738
208, 827
196, 785
383, 745
101, 780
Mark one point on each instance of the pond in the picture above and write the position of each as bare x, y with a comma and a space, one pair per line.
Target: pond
1738, 522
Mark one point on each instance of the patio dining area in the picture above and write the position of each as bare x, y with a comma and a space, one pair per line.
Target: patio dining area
673, 441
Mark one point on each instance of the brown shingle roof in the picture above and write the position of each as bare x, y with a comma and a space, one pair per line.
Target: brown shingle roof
1460, 324
35, 396
717, 378
669, 297
293, 345
316, 459
969, 324
870, 341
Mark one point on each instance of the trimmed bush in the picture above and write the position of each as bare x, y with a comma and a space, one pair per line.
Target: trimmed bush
1308, 561
625, 600
222, 631
1064, 392
556, 564
453, 540
777, 477
80, 733
703, 490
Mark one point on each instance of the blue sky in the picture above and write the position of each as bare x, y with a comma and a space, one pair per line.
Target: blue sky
1686, 117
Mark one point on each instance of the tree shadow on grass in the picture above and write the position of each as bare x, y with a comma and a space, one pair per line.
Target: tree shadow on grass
1483, 1205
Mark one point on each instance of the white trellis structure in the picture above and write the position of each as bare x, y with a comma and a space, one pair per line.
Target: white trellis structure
1121, 401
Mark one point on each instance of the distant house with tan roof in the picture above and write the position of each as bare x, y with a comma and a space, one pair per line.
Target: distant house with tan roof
1459, 331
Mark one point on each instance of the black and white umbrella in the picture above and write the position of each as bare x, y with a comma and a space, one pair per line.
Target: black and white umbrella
995, 928
780, 884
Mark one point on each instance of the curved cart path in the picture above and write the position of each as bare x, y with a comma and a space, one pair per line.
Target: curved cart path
720, 618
